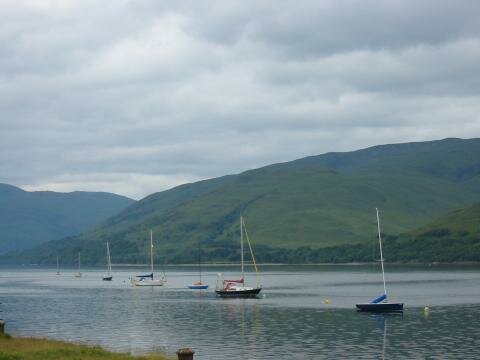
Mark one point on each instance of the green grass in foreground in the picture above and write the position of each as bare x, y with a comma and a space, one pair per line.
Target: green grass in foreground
41, 349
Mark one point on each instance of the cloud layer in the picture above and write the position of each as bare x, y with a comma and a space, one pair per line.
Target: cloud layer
137, 97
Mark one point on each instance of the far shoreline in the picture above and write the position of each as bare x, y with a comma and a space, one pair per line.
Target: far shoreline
228, 264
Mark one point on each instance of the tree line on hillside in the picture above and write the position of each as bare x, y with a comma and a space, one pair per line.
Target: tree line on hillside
437, 245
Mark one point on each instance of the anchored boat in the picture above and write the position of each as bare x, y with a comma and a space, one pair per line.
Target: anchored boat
108, 276
380, 303
147, 279
199, 285
237, 288
58, 267
78, 274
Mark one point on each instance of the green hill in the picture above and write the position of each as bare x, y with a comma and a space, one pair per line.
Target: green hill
30, 218
454, 237
292, 210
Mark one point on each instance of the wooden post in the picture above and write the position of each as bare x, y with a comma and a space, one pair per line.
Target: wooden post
185, 354
2, 326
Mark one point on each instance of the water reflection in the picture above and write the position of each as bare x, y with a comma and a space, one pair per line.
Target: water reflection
382, 323
290, 322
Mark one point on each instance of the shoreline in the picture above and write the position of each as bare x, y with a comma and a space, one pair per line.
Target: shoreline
18, 347
455, 263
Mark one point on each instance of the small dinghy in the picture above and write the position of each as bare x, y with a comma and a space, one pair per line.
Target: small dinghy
199, 285
78, 274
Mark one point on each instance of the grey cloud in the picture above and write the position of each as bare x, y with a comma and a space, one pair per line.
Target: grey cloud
137, 97
318, 28
440, 70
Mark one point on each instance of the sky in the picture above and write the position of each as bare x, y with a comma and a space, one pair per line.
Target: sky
135, 97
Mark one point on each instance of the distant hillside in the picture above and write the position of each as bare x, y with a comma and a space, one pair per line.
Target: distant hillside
302, 206
454, 237
31, 218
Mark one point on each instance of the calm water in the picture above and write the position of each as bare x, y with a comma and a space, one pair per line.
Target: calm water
290, 321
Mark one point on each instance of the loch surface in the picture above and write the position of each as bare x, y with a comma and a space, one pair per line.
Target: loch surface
305, 312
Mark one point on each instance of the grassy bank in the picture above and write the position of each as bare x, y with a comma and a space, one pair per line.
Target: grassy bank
41, 349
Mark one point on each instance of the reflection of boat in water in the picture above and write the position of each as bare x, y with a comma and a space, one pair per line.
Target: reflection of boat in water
237, 288
382, 323
108, 276
380, 303
384, 343
147, 279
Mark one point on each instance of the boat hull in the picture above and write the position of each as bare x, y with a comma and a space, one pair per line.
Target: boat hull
239, 293
107, 278
381, 307
198, 287
148, 283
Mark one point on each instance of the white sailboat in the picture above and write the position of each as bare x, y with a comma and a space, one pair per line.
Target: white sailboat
147, 279
78, 274
58, 267
237, 288
108, 276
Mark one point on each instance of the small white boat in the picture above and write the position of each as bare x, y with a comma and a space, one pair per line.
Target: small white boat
108, 275
78, 274
147, 279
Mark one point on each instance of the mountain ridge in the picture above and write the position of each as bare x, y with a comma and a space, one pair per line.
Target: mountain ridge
318, 202
29, 218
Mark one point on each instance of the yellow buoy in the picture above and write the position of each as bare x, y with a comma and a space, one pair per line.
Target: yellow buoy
326, 301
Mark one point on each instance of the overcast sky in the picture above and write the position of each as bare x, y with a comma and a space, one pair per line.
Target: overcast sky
135, 97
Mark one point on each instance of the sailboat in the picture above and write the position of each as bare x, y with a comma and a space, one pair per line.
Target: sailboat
199, 285
147, 279
108, 276
380, 303
58, 267
78, 274
237, 288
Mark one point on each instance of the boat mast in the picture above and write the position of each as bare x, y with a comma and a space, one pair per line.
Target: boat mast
199, 263
58, 268
151, 251
241, 247
381, 253
251, 253
109, 264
